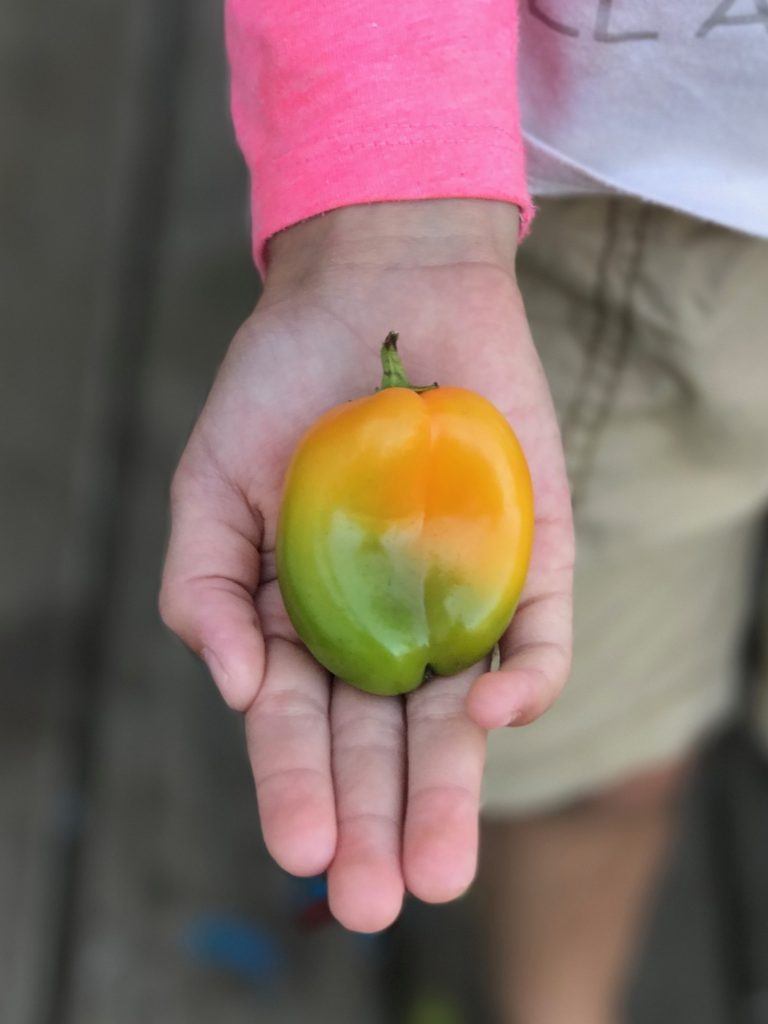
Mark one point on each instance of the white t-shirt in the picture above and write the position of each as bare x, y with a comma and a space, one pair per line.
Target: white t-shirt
663, 99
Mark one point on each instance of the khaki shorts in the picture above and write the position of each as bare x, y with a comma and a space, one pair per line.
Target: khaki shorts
653, 330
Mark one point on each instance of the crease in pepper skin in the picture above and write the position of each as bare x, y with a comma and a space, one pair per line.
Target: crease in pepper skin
404, 533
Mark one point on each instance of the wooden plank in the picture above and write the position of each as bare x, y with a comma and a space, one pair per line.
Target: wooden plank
59, 207
738, 793
680, 974
173, 834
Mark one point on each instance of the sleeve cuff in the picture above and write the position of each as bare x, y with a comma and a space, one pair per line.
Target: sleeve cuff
396, 163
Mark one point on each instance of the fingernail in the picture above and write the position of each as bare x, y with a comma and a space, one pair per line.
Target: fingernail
215, 666
495, 662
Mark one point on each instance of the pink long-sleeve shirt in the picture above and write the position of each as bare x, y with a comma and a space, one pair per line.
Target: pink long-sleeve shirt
338, 102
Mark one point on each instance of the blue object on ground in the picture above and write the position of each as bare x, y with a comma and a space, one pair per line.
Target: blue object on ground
311, 890
236, 945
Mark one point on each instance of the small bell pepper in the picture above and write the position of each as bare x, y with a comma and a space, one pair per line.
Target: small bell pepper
404, 533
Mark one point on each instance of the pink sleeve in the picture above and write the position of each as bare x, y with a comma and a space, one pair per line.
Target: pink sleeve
337, 102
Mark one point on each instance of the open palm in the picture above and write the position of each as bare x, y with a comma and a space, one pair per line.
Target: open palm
381, 792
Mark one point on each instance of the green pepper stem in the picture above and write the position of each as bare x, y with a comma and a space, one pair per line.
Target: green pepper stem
393, 371
393, 375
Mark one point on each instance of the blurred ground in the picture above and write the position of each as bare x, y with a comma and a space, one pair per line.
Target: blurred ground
133, 883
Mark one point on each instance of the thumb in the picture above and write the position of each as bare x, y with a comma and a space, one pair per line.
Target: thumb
209, 579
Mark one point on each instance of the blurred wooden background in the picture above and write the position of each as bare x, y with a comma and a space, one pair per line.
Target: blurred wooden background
128, 834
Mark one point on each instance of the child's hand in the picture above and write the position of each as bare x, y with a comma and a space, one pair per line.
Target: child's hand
381, 792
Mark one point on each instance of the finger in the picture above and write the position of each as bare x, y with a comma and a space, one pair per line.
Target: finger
365, 882
536, 649
446, 753
210, 575
272, 614
289, 747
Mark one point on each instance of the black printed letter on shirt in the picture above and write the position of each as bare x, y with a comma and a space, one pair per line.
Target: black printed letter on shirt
603, 33
720, 16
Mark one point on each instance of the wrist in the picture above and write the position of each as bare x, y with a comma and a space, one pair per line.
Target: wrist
433, 232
